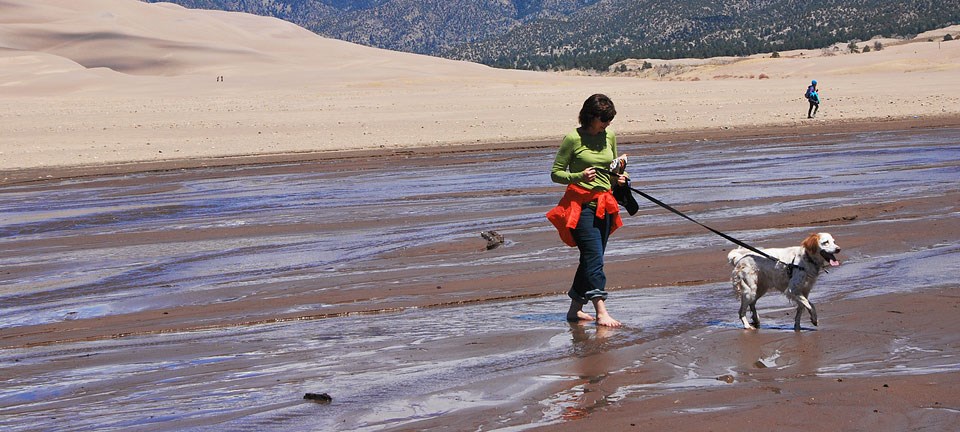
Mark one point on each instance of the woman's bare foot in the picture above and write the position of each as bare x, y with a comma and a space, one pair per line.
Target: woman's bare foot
580, 316
576, 313
607, 321
603, 317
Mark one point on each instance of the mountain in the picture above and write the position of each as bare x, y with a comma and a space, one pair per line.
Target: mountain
619, 30
418, 26
591, 34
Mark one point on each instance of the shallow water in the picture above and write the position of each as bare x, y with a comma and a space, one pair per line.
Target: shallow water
392, 369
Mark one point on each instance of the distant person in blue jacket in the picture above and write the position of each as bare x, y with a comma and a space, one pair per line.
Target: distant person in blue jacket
814, 98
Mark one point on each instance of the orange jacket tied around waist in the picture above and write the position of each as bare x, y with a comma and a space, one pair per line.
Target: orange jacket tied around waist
567, 213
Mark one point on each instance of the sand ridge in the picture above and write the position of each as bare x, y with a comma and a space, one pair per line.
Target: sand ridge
100, 82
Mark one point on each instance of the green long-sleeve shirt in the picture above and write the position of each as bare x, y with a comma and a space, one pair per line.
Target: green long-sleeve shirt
581, 151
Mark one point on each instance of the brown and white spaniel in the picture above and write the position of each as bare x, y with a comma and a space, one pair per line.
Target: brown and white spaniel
794, 274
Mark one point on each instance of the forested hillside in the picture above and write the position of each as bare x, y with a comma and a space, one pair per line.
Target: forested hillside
599, 36
591, 34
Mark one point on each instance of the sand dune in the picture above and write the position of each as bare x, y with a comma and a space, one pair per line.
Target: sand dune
112, 84
93, 82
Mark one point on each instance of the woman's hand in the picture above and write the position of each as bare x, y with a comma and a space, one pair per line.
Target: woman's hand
622, 179
589, 174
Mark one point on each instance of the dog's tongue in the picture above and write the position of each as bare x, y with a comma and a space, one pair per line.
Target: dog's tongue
834, 262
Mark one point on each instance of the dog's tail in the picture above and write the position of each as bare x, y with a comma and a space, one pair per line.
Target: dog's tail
736, 254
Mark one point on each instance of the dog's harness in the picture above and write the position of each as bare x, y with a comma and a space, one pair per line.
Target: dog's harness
790, 266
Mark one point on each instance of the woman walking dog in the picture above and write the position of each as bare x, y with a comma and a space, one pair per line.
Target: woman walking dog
588, 212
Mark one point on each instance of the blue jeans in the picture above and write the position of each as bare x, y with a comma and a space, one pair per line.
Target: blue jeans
591, 235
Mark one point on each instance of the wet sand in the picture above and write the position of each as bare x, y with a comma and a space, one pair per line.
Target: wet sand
885, 363
215, 293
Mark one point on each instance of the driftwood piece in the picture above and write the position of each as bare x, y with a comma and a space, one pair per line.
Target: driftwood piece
493, 238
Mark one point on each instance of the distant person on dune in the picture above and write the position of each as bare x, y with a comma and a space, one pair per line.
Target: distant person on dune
813, 96
588, 212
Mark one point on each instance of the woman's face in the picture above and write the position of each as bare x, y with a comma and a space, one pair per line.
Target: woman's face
598, 125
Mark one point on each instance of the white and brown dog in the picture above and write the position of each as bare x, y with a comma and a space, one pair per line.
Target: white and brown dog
794, 274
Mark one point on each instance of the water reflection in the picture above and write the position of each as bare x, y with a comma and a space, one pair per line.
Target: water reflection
229, 234
589, 339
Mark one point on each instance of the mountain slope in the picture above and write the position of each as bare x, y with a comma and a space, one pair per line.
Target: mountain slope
418, 26
697, 28
590, 34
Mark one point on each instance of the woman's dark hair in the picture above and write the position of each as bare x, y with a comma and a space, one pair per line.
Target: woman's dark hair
597, 106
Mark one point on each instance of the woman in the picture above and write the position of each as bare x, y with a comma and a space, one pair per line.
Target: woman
588, 213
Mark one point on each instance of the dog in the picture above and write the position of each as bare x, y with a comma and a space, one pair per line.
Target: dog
794, 275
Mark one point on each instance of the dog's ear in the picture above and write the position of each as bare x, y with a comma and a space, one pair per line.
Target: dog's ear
811, 244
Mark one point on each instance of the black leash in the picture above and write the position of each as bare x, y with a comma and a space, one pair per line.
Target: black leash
679, 213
